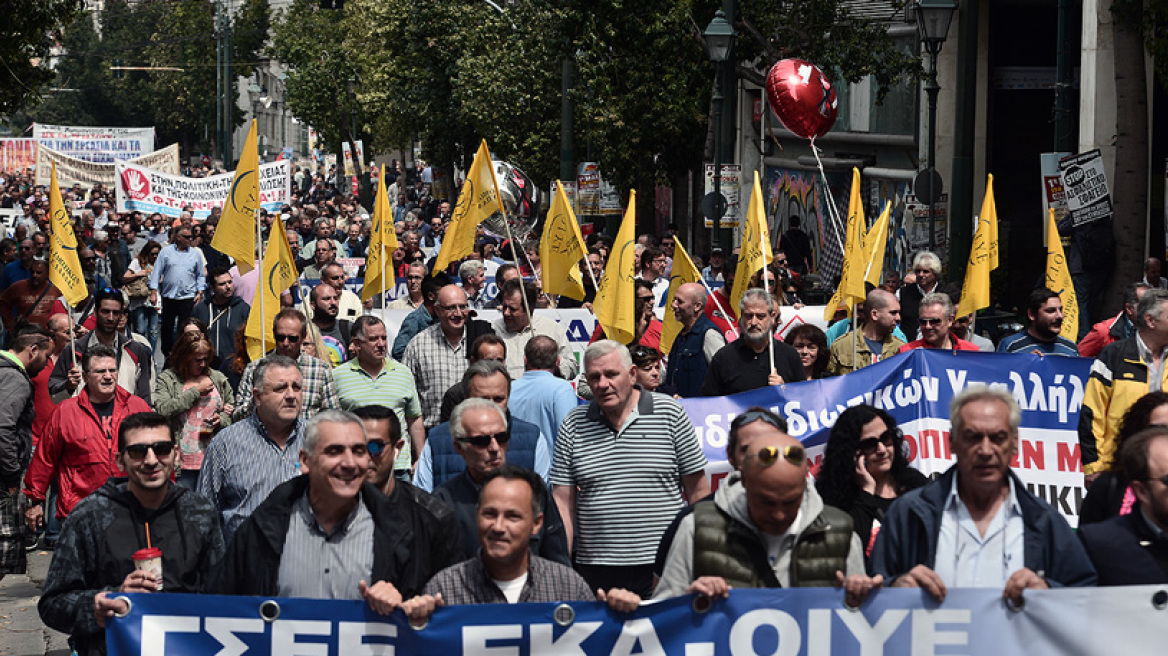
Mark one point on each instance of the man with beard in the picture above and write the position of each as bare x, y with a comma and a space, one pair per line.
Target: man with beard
1044, 308
744, 364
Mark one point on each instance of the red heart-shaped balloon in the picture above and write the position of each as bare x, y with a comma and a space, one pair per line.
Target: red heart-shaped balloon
802, 97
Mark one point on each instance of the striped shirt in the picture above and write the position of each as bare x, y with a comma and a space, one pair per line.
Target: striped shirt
317, 564
241, 468
436, 366
469, 582
392, 387
628, 480
320, 393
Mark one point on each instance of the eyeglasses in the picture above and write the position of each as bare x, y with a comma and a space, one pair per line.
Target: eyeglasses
484, 441
792, 453
138, 451
868, 444
287, 338
781, 262
930, 322
375, 447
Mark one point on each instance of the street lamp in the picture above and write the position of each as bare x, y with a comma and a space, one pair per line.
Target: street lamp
933, 18
719, 36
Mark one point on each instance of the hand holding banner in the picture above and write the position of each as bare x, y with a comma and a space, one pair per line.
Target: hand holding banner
561, 249
236, 234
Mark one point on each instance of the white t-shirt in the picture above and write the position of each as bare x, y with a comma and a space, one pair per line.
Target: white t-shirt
513, 588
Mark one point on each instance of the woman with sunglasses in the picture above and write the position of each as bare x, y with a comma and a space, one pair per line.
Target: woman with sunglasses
196, 398
864, 469
1110, 494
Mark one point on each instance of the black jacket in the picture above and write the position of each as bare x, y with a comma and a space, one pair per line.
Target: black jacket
97, 541
1125, 551
16, 415
408, 543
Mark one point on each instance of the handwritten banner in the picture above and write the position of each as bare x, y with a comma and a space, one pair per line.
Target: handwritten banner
104, 144
73, 170
147, 190
778, 622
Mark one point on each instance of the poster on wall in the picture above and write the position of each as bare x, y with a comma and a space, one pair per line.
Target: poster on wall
731, 189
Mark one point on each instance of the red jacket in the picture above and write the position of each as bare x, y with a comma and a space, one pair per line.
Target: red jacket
958, 344
77, 451
1102, 334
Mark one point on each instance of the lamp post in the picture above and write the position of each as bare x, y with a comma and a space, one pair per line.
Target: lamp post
933, 18
254, 91
719, 36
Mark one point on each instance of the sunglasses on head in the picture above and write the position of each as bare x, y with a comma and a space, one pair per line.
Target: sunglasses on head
484, 441
792, 453
753, 416
161, 449
868, 444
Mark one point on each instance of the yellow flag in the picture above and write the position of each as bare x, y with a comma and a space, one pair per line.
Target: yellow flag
479, 199
755, 252
277, 273
874, 244
64, 265
615, 305
983, 257
1058, 278
236, 234
561, 248
382, 243
684, 271
851, 286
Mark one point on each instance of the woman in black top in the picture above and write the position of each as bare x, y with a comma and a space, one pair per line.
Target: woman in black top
864, 469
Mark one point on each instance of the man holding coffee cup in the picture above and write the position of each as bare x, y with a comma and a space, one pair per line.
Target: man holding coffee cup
106, 545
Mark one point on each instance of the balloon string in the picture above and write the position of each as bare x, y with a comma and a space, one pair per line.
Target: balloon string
831, 208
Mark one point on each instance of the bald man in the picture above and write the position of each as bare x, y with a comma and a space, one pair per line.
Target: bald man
694, 346
873, 341
748, 522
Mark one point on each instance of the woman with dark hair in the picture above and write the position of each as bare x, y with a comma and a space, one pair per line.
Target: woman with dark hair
648, 363
1110, 494
811, 343
864, 469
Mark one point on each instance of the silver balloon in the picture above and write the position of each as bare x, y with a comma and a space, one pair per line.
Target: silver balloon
521, 198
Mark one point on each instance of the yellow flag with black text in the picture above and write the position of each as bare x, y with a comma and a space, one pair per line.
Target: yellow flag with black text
277, 273
561, 248
615, 305
236, 234
64, 264
478, 200
1058, 278
983, 257
874, 244
755, 250
382, 244
684, 271
851, 285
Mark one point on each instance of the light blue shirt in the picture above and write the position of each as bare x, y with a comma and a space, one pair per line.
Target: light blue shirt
544, 400
178, 274
966, 558
841, 328
424, 471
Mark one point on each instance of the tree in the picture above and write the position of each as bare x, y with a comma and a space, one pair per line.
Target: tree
29, 30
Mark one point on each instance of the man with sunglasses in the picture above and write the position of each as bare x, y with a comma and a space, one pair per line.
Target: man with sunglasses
78, 446
935, 315
926, 271
135, 360
481, 436
93, 561
771, 516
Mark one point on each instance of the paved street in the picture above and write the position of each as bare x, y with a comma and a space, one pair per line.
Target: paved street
21, 630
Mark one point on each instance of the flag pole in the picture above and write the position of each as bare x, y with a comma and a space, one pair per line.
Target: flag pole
515, 256
718, 304
259, 278
383, 289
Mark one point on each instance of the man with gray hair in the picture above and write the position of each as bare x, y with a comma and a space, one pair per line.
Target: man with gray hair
473, 275
873, 341
935, 316
1124, 371
622, 464
330, 534
927, 271
977, 525
249, 458
745, 364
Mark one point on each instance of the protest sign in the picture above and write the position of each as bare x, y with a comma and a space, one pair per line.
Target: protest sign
731, 190
72, 170
1085, 187
17, 155
105, 144
147, 190
779, 622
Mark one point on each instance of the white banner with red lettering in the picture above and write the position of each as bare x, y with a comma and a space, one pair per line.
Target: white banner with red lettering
141, 189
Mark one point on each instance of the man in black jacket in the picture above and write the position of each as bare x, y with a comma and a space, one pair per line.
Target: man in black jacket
223, 312
94, 556
329, 534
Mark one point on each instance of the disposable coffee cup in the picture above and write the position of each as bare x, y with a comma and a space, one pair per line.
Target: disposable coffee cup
149, 560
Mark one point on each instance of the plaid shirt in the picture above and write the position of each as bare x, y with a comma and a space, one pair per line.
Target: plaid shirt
469, 582
437, 366
320, 393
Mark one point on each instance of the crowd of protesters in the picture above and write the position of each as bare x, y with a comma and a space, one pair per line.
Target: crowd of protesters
476, 462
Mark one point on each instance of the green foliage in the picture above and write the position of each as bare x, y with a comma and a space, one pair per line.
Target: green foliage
1150, 17
27, 32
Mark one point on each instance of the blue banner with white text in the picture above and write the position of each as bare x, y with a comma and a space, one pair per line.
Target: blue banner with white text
798, 622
